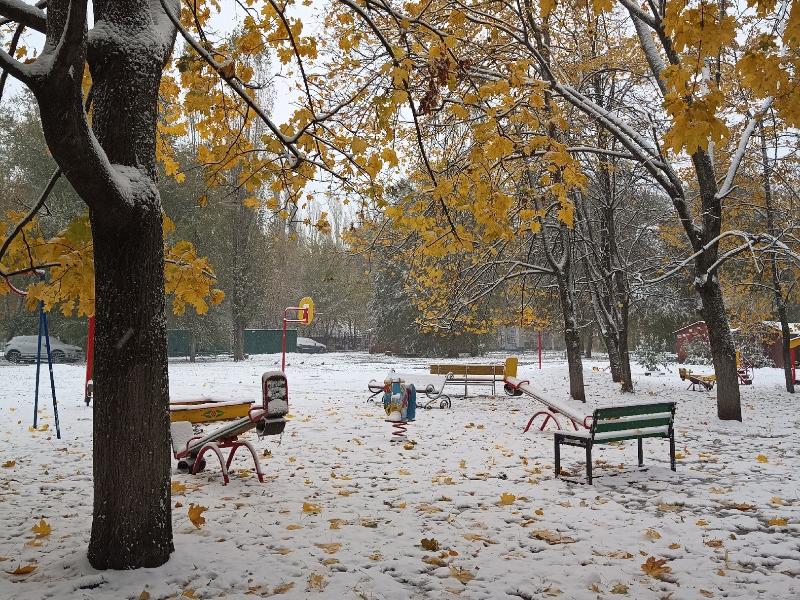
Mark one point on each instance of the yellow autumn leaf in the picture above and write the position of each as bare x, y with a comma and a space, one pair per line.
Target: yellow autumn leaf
282, 588
9, 463
177, 487
762, 458
196, 514
145, 595
293, 527
312, 509
429, 544
619, 588
656, 567
316, 582
778, 521
652, 534
462, 575
42, 529
332, 548
506, 499
20, 570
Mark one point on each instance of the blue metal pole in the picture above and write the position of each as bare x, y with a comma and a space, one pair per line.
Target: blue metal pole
52, 379
38, 365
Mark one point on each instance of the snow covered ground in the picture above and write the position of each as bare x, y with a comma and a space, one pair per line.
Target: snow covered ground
344, 512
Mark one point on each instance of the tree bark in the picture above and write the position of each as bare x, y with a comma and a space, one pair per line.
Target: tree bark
589, 339
723, 351
238, 339
613, 356
132, 524
777, 288
572, 340
112, 167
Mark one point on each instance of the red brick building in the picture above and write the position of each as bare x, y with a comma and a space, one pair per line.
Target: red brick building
686, 334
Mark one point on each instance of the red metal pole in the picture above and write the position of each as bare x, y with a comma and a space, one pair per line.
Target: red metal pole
539, 336
89, 353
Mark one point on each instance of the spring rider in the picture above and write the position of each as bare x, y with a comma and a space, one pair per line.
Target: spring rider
400, 404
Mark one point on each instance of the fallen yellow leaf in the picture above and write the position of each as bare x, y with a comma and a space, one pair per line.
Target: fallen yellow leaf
312, 509
778, 521
9, 463
506, 499
42, 529
462, 575
196, 514
551, 537
714, 543
652, 534
656, 567
177, 487
430, 544
283, 587
293, 527
762, 458
619, 588
20, 570
701, 522
332, 548
316, 582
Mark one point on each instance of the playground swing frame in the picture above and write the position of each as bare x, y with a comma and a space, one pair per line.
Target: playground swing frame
304, 315
43, 328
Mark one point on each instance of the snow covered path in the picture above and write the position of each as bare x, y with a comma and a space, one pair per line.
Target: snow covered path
344, 512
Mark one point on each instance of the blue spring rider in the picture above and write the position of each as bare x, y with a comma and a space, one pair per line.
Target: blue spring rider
400, 404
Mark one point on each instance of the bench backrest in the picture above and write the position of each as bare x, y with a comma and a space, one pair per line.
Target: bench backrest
628, 422
509, 368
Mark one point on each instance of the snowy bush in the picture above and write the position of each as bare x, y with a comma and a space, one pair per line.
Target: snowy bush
652, 353
698, 351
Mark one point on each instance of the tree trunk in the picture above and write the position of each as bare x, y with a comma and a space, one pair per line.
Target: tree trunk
589, 338
613, 357
192, 345
132, 524
723, 351
572, 339
625, 361
238, 339
777, 288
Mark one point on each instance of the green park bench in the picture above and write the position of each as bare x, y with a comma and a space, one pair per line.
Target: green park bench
617, 423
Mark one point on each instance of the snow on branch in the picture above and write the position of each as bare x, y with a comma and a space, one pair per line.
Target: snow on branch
24, 14
727, 184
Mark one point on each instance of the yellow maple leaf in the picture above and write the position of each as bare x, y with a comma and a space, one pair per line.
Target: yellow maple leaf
196, 514
177, 487
656, 567
778, 521
506, 499
42, 529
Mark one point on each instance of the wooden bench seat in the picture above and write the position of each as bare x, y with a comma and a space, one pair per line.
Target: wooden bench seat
619, 423
473, 374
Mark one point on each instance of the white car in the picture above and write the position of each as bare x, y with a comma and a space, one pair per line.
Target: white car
310, 346
23, 347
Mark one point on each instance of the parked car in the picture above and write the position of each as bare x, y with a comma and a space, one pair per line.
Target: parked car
23, 347
310, 346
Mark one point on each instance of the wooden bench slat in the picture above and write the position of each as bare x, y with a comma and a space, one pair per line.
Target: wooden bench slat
632, 436
611, 426
633, 409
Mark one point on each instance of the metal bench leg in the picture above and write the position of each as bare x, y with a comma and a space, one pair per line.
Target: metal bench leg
641, 452
672, 450
558, 455
589, 462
